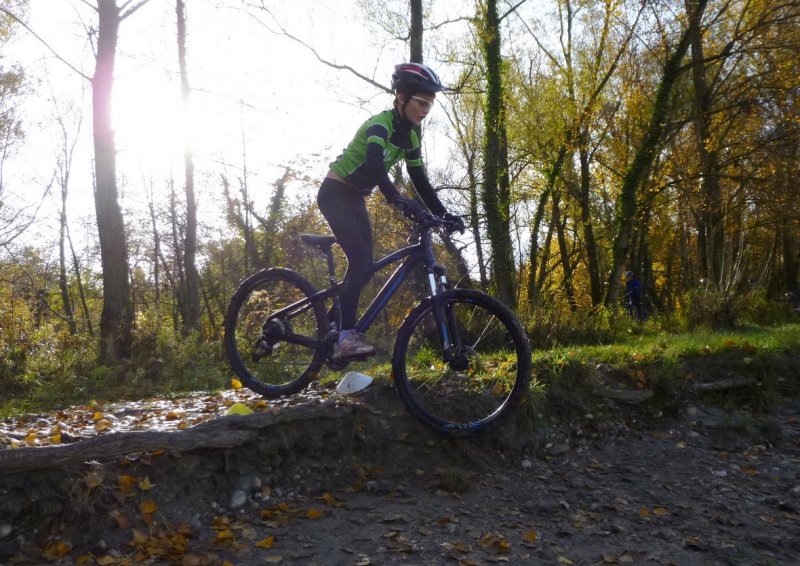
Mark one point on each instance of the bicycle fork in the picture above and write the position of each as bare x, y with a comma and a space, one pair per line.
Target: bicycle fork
445, 318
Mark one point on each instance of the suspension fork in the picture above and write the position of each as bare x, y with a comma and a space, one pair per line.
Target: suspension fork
445, 317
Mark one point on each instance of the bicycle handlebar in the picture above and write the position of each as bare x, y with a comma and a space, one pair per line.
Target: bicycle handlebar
427, 219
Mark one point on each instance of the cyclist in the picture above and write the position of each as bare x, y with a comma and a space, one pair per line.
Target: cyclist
633, 294
380, 143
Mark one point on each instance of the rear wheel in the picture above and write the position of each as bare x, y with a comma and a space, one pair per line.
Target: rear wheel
487, 371
273, 347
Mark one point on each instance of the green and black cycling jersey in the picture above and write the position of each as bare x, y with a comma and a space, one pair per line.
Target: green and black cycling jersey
380, 143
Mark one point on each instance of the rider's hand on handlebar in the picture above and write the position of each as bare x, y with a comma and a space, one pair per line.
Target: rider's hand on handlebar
457, 222
409, 207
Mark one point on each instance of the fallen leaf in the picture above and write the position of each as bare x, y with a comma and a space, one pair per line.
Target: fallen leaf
266, 542
531, 536
145, 485
240, 409
149, 507
236, 384
315, 513
56, 549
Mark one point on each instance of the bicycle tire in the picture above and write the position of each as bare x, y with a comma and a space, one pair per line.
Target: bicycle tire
266, 364
491, 378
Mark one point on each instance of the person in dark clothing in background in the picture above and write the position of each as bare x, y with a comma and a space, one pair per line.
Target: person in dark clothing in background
633, 295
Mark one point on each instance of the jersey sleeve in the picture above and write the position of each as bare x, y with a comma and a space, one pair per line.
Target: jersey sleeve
419, 178
377, 135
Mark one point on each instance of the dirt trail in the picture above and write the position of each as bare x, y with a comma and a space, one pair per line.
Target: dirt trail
362, 483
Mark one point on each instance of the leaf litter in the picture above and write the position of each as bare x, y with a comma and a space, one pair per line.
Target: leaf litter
636, 492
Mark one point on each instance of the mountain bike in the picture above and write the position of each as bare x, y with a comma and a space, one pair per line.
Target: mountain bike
461, 359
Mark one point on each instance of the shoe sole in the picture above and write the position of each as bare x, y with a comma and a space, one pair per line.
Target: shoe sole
345, 355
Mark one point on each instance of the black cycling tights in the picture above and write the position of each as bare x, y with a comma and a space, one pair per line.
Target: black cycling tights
346, 212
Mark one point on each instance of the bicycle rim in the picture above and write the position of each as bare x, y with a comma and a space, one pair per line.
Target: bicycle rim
268, 362
491, 372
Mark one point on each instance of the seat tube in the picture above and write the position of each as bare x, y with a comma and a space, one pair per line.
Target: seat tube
332, 282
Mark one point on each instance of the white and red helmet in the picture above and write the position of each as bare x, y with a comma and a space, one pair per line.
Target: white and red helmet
415, 77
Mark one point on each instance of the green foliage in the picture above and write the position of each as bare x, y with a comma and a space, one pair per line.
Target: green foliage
551, 327
715, 310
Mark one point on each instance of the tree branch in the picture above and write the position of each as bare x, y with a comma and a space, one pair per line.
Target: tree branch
43, 42
511, 10
124, 14
314, 51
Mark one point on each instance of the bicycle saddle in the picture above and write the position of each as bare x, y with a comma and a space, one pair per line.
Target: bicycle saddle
321, 242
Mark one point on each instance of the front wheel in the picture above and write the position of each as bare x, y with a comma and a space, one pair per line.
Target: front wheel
274, 332
482, 376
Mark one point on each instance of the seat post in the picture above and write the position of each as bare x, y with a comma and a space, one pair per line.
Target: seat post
331, 267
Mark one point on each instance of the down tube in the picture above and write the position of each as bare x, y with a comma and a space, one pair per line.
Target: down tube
387, 291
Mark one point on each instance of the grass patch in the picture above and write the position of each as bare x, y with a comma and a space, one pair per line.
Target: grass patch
563, 375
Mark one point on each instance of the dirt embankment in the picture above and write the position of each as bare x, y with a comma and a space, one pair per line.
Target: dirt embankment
331, 480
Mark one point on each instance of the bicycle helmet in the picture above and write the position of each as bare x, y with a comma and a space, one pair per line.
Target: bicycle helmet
629, 274
415, 77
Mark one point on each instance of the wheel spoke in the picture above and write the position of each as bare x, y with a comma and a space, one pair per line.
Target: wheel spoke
482, 379
273, 348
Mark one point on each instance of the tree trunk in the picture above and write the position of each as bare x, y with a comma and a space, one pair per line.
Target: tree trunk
415, 34
595, 284
63, 284
552, 176
191, 293
639, 168
117, 316
563, 249
179, 283
712, 216
496, 183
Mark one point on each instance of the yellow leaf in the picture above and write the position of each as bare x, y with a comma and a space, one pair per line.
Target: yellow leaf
148, 507
225, 534
56, 438
105, 560
30, 438
749, 470
236, 384
56, 549
315, 513
266, 542
139, 538
145, 485
563, 560
240, 409
660, 511
126, 483
644, 512
531, 535
97, 416
680, 444
328, 498
273, 559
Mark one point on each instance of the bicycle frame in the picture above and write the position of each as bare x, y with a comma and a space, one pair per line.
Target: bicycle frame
410, 256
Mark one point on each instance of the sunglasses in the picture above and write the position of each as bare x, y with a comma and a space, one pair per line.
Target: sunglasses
426, 104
